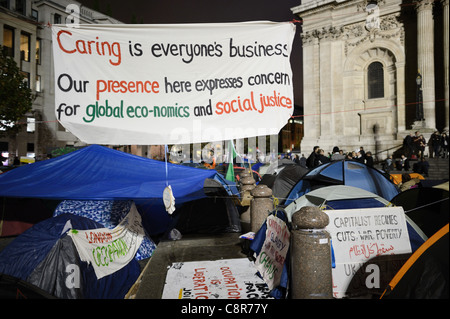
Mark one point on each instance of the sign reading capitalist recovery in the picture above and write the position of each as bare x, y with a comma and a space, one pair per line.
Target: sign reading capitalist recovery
173, 84
109, 250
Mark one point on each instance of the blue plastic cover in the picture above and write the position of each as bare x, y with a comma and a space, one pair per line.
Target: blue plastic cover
97, 172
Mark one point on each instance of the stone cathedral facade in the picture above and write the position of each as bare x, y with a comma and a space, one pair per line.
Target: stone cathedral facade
361, 61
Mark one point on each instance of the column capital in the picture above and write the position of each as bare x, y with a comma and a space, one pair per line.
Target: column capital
445, 2
425, 5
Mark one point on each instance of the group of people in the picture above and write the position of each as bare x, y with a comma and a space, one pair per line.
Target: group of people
415, 144
318, 157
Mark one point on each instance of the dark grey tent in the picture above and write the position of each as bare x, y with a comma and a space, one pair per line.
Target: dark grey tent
428, 207
282, 183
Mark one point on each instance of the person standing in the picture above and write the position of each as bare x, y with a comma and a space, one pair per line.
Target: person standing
435, 141
444, 145
369, 159
313, 159
337, 155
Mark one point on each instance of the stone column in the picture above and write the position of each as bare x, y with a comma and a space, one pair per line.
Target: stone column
446, 54
260, 206
425, 58
310, 255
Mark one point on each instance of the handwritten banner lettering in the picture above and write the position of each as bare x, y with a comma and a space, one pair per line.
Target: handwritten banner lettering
109, 250
214, 279
173, 84
359, 235
271, 259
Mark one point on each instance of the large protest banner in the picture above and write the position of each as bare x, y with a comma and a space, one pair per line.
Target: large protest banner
173, 84
109, 250
358, 237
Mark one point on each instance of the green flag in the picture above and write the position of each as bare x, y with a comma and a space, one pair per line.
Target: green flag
231, 156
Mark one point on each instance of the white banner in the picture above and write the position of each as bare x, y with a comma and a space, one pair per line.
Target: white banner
359, 235
109, 250
214, 279
173, 84
271, 259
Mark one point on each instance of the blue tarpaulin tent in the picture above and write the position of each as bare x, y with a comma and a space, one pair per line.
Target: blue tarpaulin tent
100, 173
344, 172
45, 257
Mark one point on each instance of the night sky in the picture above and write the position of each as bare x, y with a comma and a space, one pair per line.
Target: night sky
208, 11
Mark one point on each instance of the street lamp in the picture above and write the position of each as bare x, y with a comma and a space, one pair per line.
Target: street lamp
419, 104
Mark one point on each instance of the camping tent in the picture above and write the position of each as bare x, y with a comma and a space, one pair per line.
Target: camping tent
99, 173
282, 183
348, 197
425, 273
345, 172
45, 256
428, 207
337, 197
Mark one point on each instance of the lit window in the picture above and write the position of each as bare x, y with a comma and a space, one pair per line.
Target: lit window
25, 46
375, 79
38, 51
8, 41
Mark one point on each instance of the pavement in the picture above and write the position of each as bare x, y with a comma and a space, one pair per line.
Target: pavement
150, 284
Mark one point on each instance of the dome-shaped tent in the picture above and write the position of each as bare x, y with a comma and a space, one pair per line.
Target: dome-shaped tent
345, 172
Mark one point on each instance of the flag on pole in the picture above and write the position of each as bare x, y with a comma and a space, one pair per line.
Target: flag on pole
231, 156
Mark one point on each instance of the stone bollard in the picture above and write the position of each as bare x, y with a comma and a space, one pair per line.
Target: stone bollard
247, 185
310, 255
260, 206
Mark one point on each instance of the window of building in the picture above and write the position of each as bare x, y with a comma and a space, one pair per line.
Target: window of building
21, 6
38, 83
375, 80
4, 3
57, 19
25, 46
8, 41
38, 51
31, 126
35, 14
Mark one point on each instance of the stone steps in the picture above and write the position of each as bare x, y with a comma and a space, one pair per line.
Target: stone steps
439, 168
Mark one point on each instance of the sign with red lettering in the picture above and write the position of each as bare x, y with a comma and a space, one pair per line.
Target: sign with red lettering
109, 250
214, 279
270, 260
360, 235
173, 84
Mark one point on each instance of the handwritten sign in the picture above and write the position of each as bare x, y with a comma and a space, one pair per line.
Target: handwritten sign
359, 235
173, 84
214, 279
109, 250
271, 259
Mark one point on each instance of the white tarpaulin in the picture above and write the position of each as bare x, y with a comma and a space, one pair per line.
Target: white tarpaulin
173, 84
214, 279
109, 250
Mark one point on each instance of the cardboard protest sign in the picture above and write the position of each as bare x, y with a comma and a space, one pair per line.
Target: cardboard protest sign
173, 84
270, 260
359, 235
214, 279
109, 250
